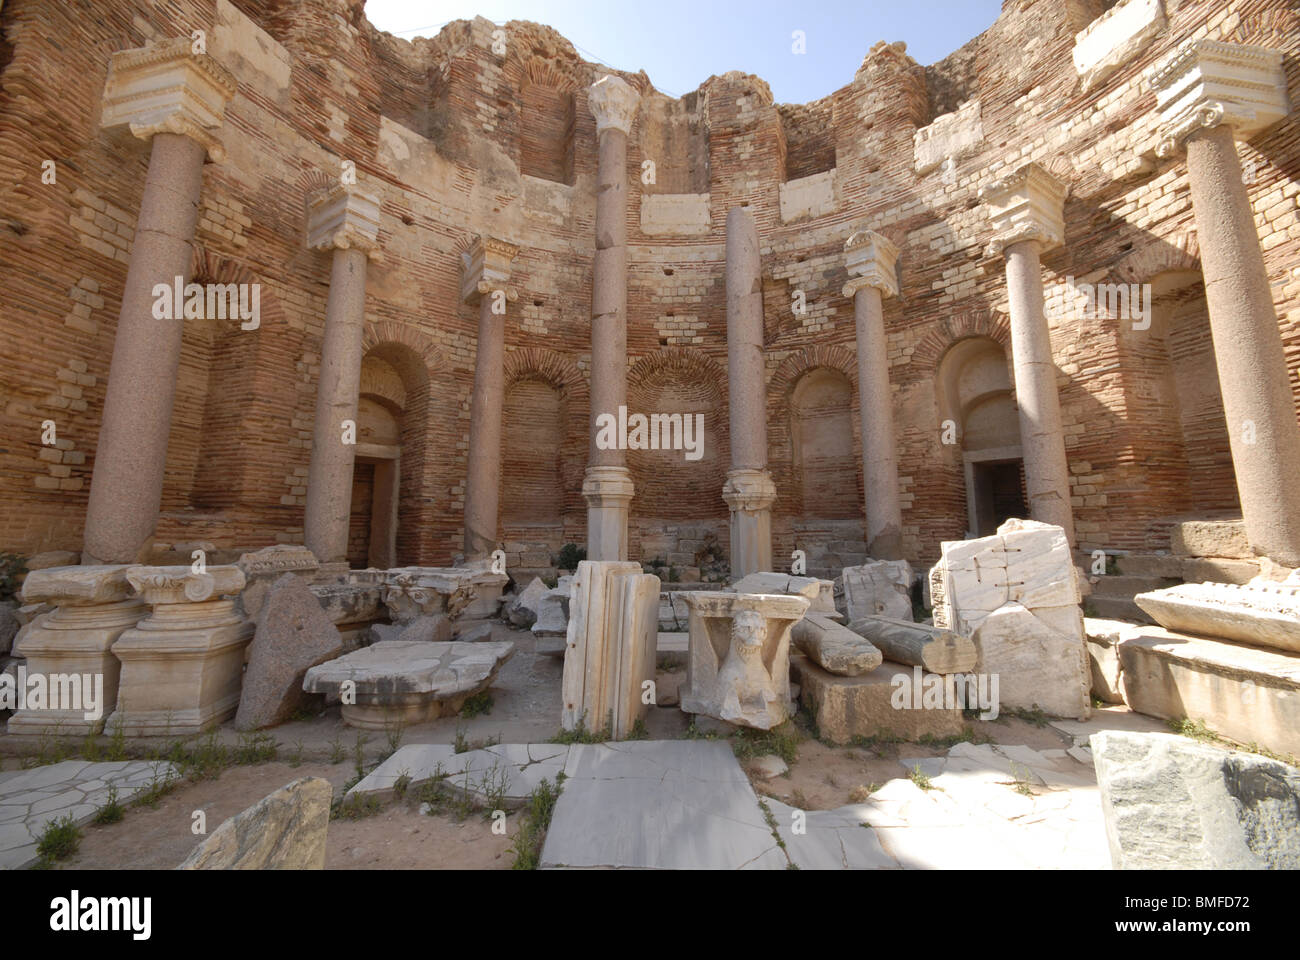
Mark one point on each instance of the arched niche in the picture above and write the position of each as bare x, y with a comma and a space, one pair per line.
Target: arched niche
978, 414
821, 435
532, 487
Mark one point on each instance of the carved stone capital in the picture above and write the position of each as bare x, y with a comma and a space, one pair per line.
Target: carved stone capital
180, 584
77, 585
343, 217
1206, 83
1027, 204
613, 102
749, 490
167, 88
486, 267
870, 259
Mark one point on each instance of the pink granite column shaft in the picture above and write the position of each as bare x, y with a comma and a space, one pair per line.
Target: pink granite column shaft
1042, 438
609, 292
329, 478
879, 455
131, 455
483, 483
1253, 376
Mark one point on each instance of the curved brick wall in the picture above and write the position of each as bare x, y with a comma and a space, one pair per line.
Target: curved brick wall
459, 140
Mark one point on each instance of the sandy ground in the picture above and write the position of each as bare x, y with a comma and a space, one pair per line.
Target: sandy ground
398, 837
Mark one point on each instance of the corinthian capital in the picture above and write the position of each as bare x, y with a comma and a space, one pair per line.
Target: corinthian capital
168, 88
613, 103
1027, 204
870, 259
343, 217
486, 266
1206, 83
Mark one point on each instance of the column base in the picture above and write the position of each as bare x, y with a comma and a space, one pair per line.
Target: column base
608, 492
74, 641
750, 495
180, 678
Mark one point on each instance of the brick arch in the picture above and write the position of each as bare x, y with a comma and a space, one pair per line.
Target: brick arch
562, 375
417, 363
383, 382
1180, 252
960, 326
547, 365
209, 267
693, 364
792, 368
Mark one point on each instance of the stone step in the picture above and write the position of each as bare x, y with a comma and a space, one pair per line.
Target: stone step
1249, 694
1154, 565
1120, 586
1116, 608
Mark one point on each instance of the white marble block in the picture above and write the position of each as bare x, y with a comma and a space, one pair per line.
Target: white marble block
1016, 595
610, 651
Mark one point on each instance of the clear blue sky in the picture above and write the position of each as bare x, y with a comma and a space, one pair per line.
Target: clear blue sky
681, 43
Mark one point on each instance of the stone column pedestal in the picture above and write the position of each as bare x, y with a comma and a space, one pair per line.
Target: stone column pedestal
175, 98
182, 668
1211, 94
608, 485
486, 271
70, 648
750, 495
870, 260
1028, 211
345, 220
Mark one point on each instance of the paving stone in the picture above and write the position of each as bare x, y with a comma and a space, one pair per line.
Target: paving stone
30, 799
516, 768
663, 804
831, 839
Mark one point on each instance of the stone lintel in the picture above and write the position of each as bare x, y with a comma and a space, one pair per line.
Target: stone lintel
343, 216
1206, 83
486, 267
167, 88
613, 102
1027, 204
870, 259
